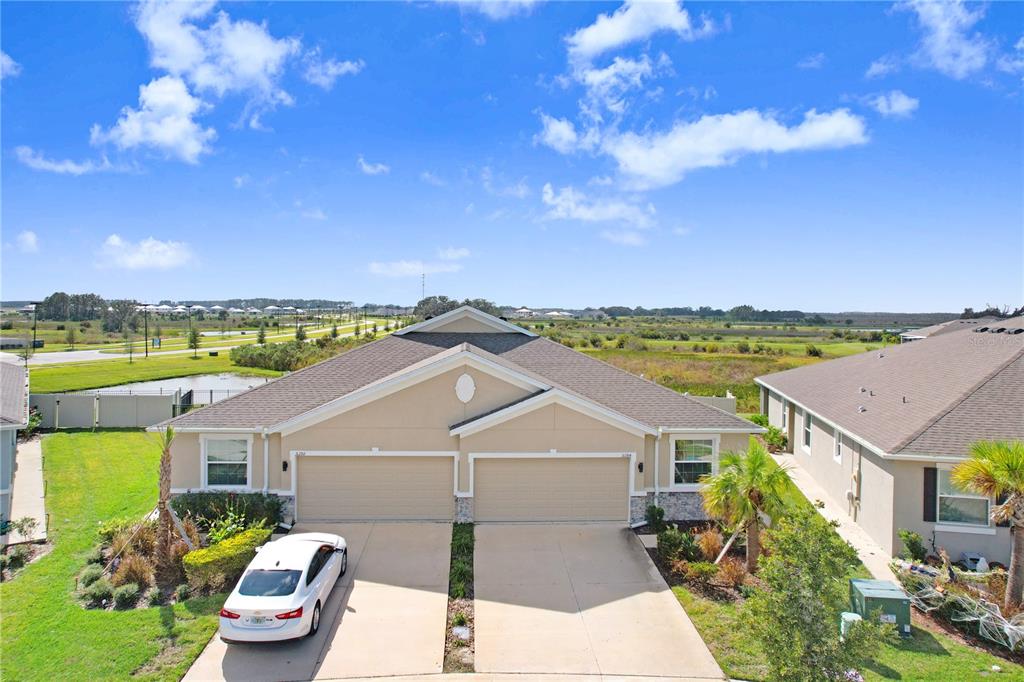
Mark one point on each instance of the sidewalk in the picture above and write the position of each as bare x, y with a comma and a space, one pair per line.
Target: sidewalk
27, 491
873, 557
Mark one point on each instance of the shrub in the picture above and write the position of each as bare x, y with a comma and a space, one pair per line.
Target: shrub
913, 545
153, 597
460, 575
228, 526
759, 419
775, 439
90, 574
108, 529
126, 595
712, 348
670, 542
742, 347
216, 566
655, 518
204, 508
459, 619
710, 542
732, 572
181, 592
95, 555
99, 593
813, 351
700, 571
134, 569
121, 544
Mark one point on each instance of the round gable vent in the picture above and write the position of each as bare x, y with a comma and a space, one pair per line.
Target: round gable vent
465, 387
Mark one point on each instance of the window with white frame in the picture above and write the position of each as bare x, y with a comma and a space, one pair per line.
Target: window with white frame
227, 462
807, 431
837, 446
959, 506
785, 414
692, 458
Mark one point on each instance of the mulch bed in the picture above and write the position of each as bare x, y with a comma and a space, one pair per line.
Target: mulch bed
459, 653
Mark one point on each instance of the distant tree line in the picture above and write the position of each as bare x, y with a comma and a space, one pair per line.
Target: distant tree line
432, 306
991, 311
73, 307
740, 312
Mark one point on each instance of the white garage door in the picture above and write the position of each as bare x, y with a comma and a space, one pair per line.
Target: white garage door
551, 489
371, 488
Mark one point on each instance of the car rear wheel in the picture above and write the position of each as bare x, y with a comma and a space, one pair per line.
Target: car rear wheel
344, 561
314, 624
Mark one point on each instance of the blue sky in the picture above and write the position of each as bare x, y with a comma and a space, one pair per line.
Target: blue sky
823, 157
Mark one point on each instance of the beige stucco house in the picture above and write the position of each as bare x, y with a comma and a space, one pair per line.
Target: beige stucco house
880, 431
462, 417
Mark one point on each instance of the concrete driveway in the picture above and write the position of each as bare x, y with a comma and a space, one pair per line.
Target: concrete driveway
386, 616
578, 599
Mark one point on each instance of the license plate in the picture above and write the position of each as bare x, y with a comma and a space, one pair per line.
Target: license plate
257, 620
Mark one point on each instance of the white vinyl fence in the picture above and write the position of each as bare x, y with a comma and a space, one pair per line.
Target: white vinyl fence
91, 410
728, 403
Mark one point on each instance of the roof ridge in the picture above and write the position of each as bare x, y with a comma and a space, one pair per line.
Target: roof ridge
652, 383
959, 400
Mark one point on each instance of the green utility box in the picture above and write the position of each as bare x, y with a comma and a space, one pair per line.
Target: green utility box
868, 596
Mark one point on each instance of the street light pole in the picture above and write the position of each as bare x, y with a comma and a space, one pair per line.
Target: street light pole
145, 340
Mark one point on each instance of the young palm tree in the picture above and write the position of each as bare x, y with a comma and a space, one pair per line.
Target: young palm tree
165, 530
996, 470
747, 484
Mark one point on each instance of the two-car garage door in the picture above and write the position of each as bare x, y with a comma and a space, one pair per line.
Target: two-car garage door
505, 488
375, 487
551, 489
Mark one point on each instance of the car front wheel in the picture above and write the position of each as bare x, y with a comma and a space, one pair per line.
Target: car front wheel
314, 624
344, 562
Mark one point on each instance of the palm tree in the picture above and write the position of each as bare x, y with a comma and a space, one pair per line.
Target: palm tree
747, 485
995, 469
165, 532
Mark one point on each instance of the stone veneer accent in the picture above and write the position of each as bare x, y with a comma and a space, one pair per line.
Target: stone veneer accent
463, 510
678, 506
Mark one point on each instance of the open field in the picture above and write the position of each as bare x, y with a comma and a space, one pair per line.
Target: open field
80, 376
47, 635
708, 358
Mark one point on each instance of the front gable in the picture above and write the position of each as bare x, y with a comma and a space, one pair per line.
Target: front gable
466, 320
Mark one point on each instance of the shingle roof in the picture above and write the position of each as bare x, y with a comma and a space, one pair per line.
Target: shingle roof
306, 389
931, 398
947, 327
12, 394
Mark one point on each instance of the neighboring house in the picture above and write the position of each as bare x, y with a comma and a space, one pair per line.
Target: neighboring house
13, 416
880, 431
944, 328
464, 416
522, 313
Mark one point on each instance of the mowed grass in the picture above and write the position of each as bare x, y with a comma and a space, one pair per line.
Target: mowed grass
926, 656
80, 376
47, 635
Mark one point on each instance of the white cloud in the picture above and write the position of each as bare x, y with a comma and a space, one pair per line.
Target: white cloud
519, 189
659, 159
882, 66
37, 161
470, 208
314, 214
557, 133
28, 241
372, 168
148, 254
949, 45
600, 181
323, 73
624, 237
411, 268
1013, 62
571, 204
634, 20
607, 86
242, 180
894, 104
163, 121
497, 9
452, 253
8, 67
431, 179
813, 61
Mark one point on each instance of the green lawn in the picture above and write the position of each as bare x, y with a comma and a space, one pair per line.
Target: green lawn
46, 634
925, 656
80, 376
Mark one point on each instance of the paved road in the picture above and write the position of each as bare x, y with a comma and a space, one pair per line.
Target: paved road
60, 357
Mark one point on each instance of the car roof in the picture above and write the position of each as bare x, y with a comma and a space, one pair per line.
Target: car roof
293, 553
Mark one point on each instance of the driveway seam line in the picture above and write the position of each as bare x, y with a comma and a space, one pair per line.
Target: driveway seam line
579, 611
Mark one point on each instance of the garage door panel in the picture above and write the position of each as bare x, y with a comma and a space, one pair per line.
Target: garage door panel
370, 488
549, 489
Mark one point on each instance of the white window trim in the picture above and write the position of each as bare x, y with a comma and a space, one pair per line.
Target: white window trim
837, 446
806, 431
953, 526
691, 487
785, 415
204, 439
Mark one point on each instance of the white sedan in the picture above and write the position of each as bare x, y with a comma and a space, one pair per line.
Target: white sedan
284, 588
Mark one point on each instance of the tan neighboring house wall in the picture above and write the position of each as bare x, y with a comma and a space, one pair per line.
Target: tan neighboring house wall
888, 493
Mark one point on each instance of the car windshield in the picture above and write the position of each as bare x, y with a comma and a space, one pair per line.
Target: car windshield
263, 583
